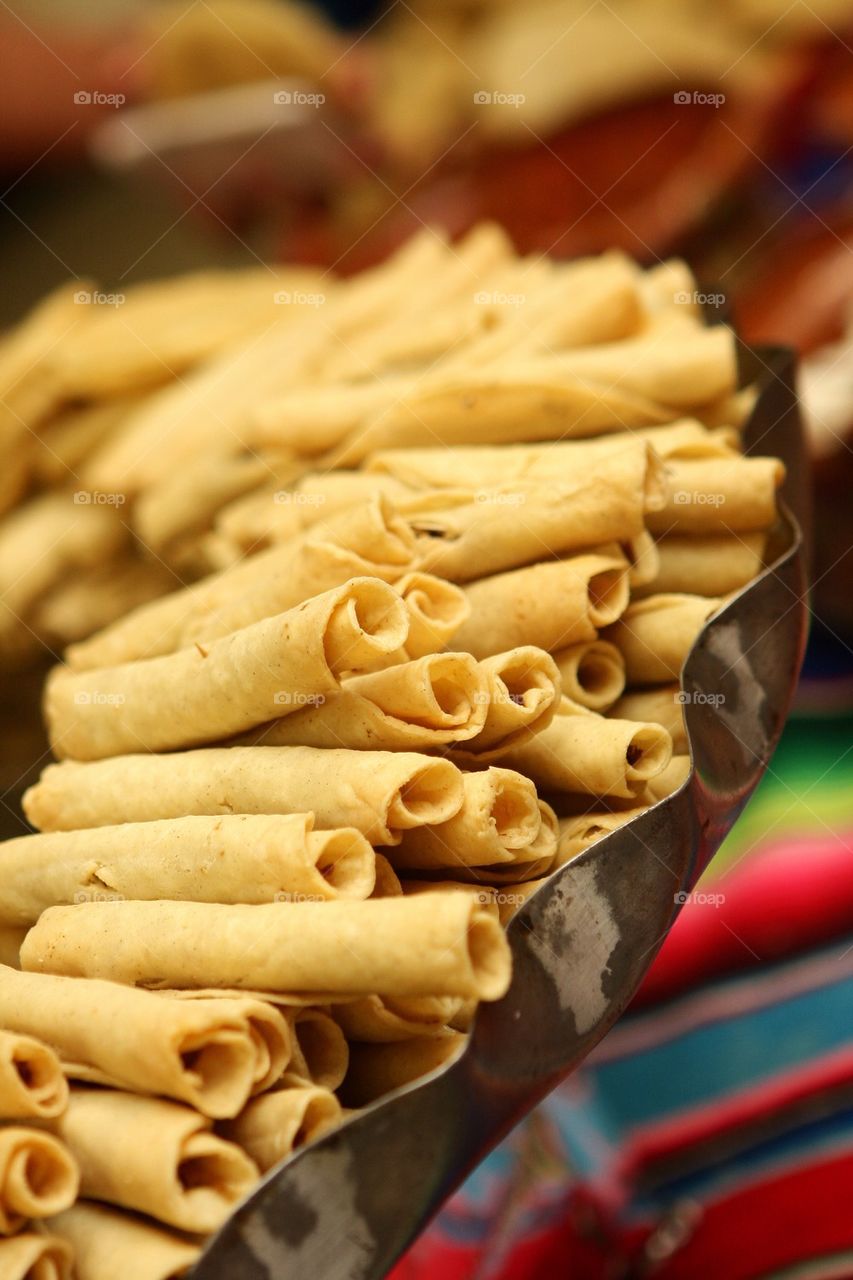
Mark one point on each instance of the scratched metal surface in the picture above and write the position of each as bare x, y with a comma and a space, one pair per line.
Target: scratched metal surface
346, 1207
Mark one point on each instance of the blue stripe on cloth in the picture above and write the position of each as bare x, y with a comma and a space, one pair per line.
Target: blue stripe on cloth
824, 1137
713, 1061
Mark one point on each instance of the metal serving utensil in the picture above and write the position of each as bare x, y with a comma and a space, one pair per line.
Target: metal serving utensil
279, 136
346, 1207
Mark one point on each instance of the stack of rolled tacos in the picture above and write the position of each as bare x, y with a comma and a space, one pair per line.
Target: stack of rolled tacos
297, 801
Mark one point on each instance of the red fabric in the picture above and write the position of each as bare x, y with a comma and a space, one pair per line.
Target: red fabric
781, 901
574, 1249
742, 1237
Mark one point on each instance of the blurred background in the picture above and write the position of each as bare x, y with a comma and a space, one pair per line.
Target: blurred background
712, 1132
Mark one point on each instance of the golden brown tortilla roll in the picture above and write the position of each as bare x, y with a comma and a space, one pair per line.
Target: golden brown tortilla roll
436, 609
434, 944
523, 689
38, 1177
10, 946
674, 775
709, 566
691, 440
540, 858
683, 368
490, 465
272, 1039
387, 881
532, 400
28, 391
47, 537
372, 542
206, 1053
376, 1069
210, 404
414, 706
313, 419
232, 858
576, 834
94, 598
35, 1257
643, 558
108, 1243
399, 336
205, 693
205, 409
163, 327
592, 674
663, 704
171, 1167
710, 496
383, 1020
498, 822
485, 895
550, 605
74, 433
380, 793
320, 1051
32, 1083
730, 412
590, 300
462, 535
185, 504
278, 513
420, 334
269, 1026
580, 303
583, 752
656, 634
662, 288
274, 1126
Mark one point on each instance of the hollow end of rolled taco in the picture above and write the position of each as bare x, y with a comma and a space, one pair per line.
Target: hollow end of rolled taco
454, 684
215, 1174
599, 675
607, 594
529, 685
434, 603
42, 1178
368, 624
386, 537
36, 1068
322, 1053
273, 1045
647, 754
593, 830
576, 834
220, 1070
452, 700
346, 861
489, 955
515, 810
432, 794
